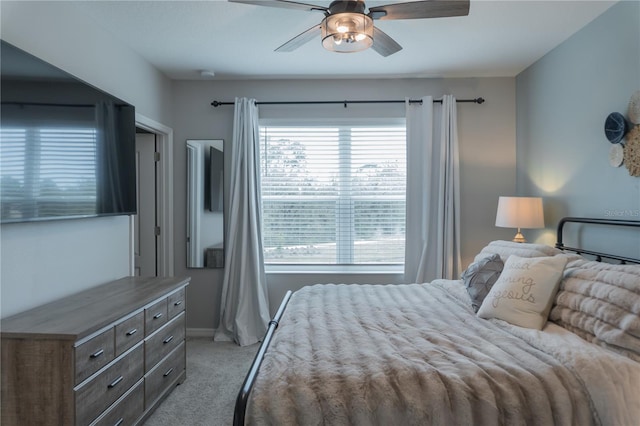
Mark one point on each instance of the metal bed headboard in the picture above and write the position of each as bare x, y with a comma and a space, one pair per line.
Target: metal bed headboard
599, 256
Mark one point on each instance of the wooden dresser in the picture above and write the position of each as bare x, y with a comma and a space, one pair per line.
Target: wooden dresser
105, 356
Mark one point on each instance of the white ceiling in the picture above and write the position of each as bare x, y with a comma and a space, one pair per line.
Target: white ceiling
236, 41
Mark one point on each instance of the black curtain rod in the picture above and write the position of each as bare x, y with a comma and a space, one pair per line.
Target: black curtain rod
412, 101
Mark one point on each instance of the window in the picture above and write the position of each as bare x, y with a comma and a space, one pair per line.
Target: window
333, 194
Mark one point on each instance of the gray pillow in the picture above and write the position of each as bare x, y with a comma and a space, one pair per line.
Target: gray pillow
480, 277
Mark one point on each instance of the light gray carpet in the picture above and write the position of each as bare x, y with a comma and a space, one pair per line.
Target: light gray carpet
215, 372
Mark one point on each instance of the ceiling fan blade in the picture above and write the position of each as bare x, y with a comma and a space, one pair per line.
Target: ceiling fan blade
283, 4
300, 39
383, 44
420, 9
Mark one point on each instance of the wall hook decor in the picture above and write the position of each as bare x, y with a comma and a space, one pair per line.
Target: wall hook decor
615, 127
632, 151
634, 108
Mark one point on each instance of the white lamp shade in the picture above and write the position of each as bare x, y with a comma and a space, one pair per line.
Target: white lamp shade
520, 212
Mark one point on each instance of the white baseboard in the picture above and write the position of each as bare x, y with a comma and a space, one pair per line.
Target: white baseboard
200, 332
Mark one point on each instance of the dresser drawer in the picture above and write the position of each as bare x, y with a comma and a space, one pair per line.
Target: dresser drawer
164, 341
94, 354
126, 411
129, 332
176, 303
164, 375
78, 361
98, 394
155, 316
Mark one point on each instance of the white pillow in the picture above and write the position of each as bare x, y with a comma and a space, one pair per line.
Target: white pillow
525, 290
507, 248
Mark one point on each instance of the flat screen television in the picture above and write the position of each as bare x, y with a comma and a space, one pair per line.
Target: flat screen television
67, 149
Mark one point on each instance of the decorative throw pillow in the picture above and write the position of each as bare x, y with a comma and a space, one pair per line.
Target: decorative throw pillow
507, 248
525, 290
480, 277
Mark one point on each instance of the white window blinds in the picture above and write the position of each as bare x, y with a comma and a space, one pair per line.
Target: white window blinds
333, 194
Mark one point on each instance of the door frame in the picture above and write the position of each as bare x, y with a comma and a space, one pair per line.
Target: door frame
164, 197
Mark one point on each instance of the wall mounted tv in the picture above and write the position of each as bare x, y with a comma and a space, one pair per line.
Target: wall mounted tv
67, 149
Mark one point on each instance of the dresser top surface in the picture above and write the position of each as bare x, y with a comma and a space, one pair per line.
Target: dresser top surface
86, 312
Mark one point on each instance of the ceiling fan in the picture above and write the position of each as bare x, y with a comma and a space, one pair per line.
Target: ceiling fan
347, 27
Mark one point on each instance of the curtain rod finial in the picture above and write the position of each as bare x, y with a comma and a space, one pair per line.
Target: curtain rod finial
479, 100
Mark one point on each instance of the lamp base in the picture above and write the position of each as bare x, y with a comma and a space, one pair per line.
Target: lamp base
519, 238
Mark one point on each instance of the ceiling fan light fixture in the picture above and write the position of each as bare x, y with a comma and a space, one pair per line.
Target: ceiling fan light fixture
342, 27
347, 32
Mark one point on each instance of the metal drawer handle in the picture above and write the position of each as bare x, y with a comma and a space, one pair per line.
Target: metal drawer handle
158, 315
119, 422
178, 303
168, 372
168, 339
96, 354
132, 332
115, 382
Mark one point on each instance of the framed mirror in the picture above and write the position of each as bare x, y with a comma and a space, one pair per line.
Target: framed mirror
205, 203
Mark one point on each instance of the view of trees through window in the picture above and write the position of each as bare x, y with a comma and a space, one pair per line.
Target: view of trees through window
333, 194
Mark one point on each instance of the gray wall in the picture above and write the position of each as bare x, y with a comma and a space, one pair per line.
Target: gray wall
562, 153
44, 261
487, 151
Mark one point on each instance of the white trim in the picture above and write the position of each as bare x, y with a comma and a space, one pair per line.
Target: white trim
200, 332
274, 268
132, 246
326, 121
164, 141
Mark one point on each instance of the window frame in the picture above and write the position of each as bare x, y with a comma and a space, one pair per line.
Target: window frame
335, 268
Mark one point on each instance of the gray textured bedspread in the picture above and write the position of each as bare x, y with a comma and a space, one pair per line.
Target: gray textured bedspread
411, 355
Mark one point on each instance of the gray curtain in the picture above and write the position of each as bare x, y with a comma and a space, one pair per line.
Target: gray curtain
244, 311
432, 243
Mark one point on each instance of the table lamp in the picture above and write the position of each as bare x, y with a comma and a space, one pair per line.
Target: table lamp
520, 212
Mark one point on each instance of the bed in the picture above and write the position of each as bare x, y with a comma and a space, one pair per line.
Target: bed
531, 334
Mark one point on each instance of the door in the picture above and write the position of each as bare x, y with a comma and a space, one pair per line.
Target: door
145, 244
